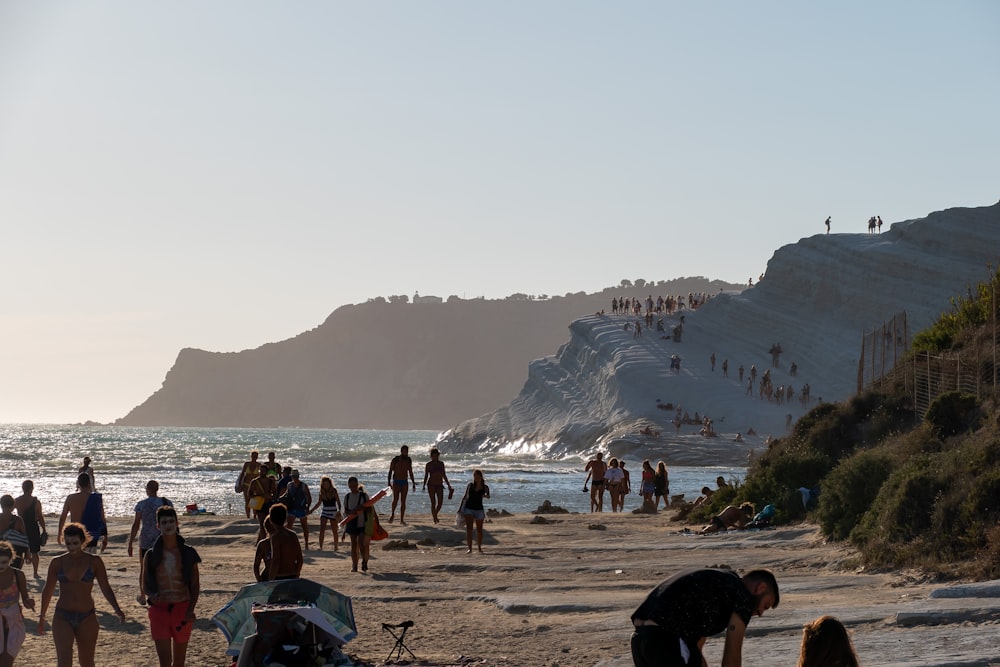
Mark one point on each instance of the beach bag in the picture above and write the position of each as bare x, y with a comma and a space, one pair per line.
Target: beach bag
373, 527
257, 503
17, 539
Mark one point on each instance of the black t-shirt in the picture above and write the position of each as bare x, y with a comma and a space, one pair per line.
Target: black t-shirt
697, 603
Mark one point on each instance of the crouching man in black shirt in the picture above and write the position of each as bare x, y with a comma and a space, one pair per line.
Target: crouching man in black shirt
671, 625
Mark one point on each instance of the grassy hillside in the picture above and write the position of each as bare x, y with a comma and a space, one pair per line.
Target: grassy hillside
908, 490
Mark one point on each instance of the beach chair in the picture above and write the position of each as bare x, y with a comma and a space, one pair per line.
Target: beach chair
399, 646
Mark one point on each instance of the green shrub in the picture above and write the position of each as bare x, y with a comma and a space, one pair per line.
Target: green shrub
952, 413
849, 490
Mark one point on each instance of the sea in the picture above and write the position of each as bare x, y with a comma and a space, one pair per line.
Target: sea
199, 466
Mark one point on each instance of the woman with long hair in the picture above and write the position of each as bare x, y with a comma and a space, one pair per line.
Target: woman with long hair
825, 643
661, 485
13, 586
354, 502
330, 500
472, 508
75, 618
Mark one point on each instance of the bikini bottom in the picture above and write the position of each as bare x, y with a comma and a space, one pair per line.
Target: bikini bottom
74, 618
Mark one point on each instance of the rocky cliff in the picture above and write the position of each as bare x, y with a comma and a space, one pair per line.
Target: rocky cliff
818, 298
379, 365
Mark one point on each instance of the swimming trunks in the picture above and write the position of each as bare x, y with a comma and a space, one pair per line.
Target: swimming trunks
74, 618
597, 482
169, 621
402, 482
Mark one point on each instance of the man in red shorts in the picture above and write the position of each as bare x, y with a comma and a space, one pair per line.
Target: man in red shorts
171, 585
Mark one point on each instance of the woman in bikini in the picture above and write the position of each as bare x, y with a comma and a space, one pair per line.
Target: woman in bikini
13, 585
330, 499
75, 618
472, 508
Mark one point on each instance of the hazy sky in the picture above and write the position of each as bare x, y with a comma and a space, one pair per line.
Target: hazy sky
225, 174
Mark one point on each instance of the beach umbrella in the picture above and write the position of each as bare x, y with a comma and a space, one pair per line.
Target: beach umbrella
236, 620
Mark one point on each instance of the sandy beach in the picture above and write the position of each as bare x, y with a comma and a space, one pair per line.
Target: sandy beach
558, 590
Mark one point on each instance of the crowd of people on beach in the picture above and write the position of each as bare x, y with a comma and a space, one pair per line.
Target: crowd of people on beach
168, 579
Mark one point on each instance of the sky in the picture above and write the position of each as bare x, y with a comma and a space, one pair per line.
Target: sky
223, 175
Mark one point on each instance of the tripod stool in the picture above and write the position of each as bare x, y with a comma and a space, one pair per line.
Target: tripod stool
399, 646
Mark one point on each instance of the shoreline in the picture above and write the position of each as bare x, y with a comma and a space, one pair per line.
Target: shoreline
554, 589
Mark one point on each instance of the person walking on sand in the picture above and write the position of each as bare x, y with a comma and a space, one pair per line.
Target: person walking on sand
675, 619
330, 500
661, 485
615, 479
251, 469
473, 510
297, 500
648, 488
401, 468
86, 507
596, 469
87, 468
355, 501
263, 490
29, 508
171, 584
145, 519
13, 585
286, 552
435, 479
825, 643
75, 618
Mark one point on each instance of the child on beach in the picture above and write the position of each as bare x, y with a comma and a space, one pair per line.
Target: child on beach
13, 585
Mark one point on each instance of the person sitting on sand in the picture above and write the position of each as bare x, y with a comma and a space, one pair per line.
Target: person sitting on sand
706, 493
731, 517
825, 643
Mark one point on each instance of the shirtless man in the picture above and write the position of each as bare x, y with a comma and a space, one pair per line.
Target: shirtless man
251, 469
399, 468
171, 583
87, 508
595, 470
286, 552
434, 480
86, 467
731, 517
30, 509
